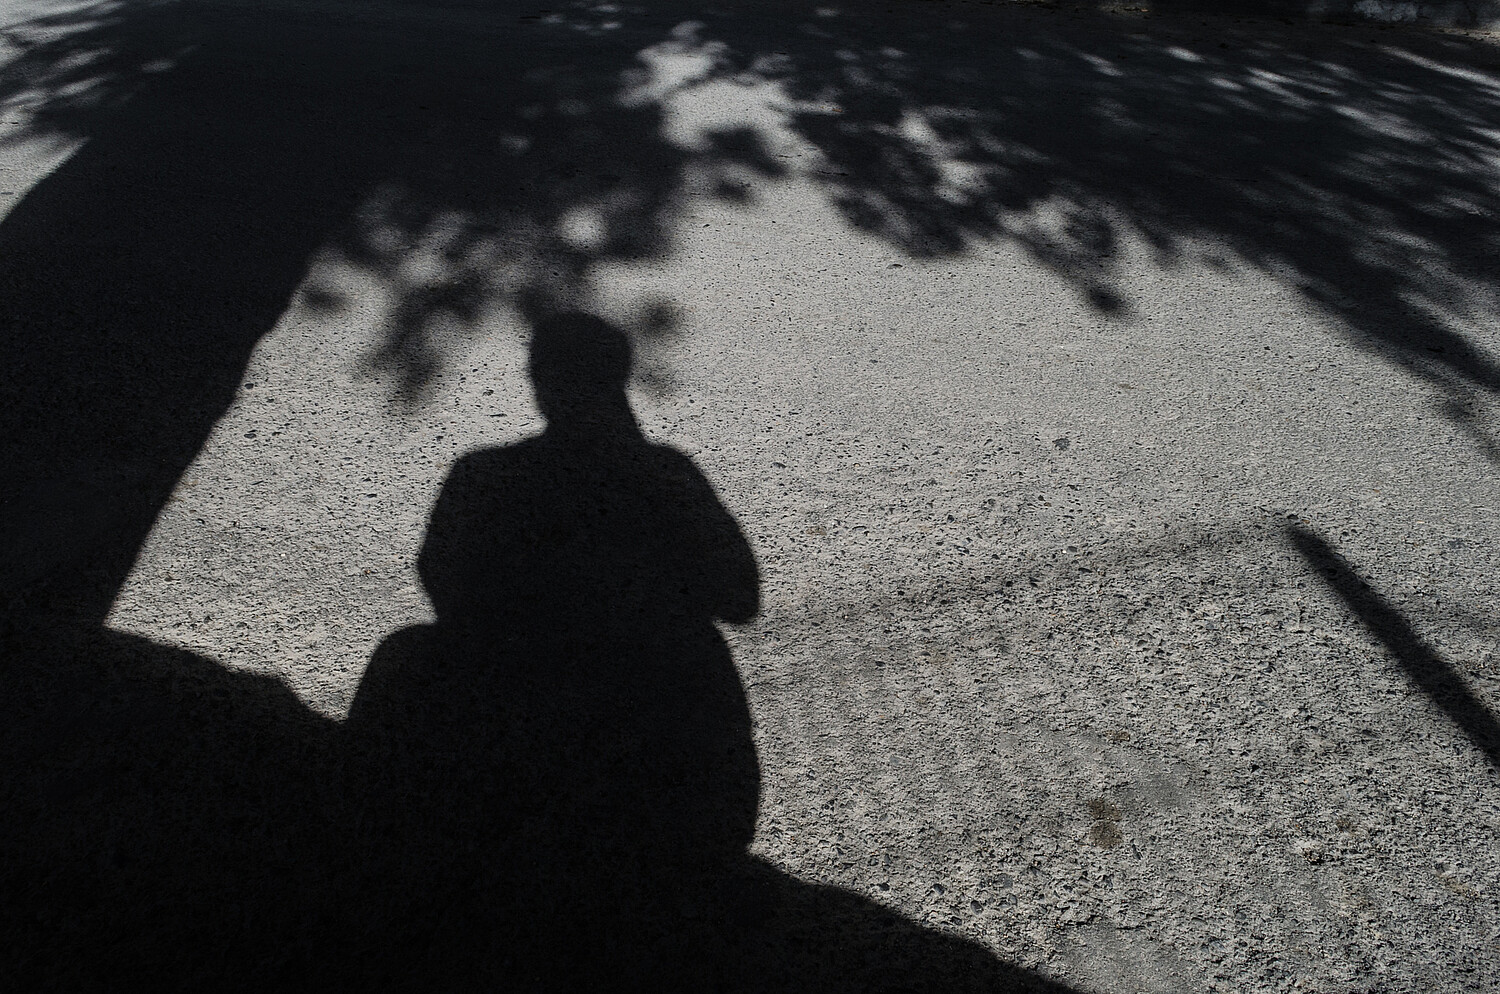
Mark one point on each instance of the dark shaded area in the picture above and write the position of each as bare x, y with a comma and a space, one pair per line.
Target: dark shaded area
170, 824
551, 788
1431, 674
1460, 13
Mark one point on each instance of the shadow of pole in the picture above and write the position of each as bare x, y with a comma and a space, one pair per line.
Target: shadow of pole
1421, 663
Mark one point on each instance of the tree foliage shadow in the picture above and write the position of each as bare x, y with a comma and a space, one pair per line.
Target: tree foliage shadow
1361, 176
552, 787
1460, 13
224, 148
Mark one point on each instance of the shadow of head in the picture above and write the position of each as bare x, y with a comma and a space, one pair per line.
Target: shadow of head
579, 366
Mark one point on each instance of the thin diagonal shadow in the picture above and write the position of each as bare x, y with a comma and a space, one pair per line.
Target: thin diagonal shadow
1429, 671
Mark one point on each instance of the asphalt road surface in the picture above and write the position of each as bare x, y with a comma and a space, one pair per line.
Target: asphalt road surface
759, 496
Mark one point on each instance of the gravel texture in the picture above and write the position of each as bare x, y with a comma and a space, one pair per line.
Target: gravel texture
1124, 502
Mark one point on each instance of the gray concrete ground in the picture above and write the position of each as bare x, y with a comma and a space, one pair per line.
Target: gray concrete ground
1109, 402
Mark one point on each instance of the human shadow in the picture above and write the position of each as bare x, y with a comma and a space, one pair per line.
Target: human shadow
579, 739
574, 708
553, 787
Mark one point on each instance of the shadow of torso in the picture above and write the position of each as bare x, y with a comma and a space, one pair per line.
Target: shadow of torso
562, 767
575, 721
